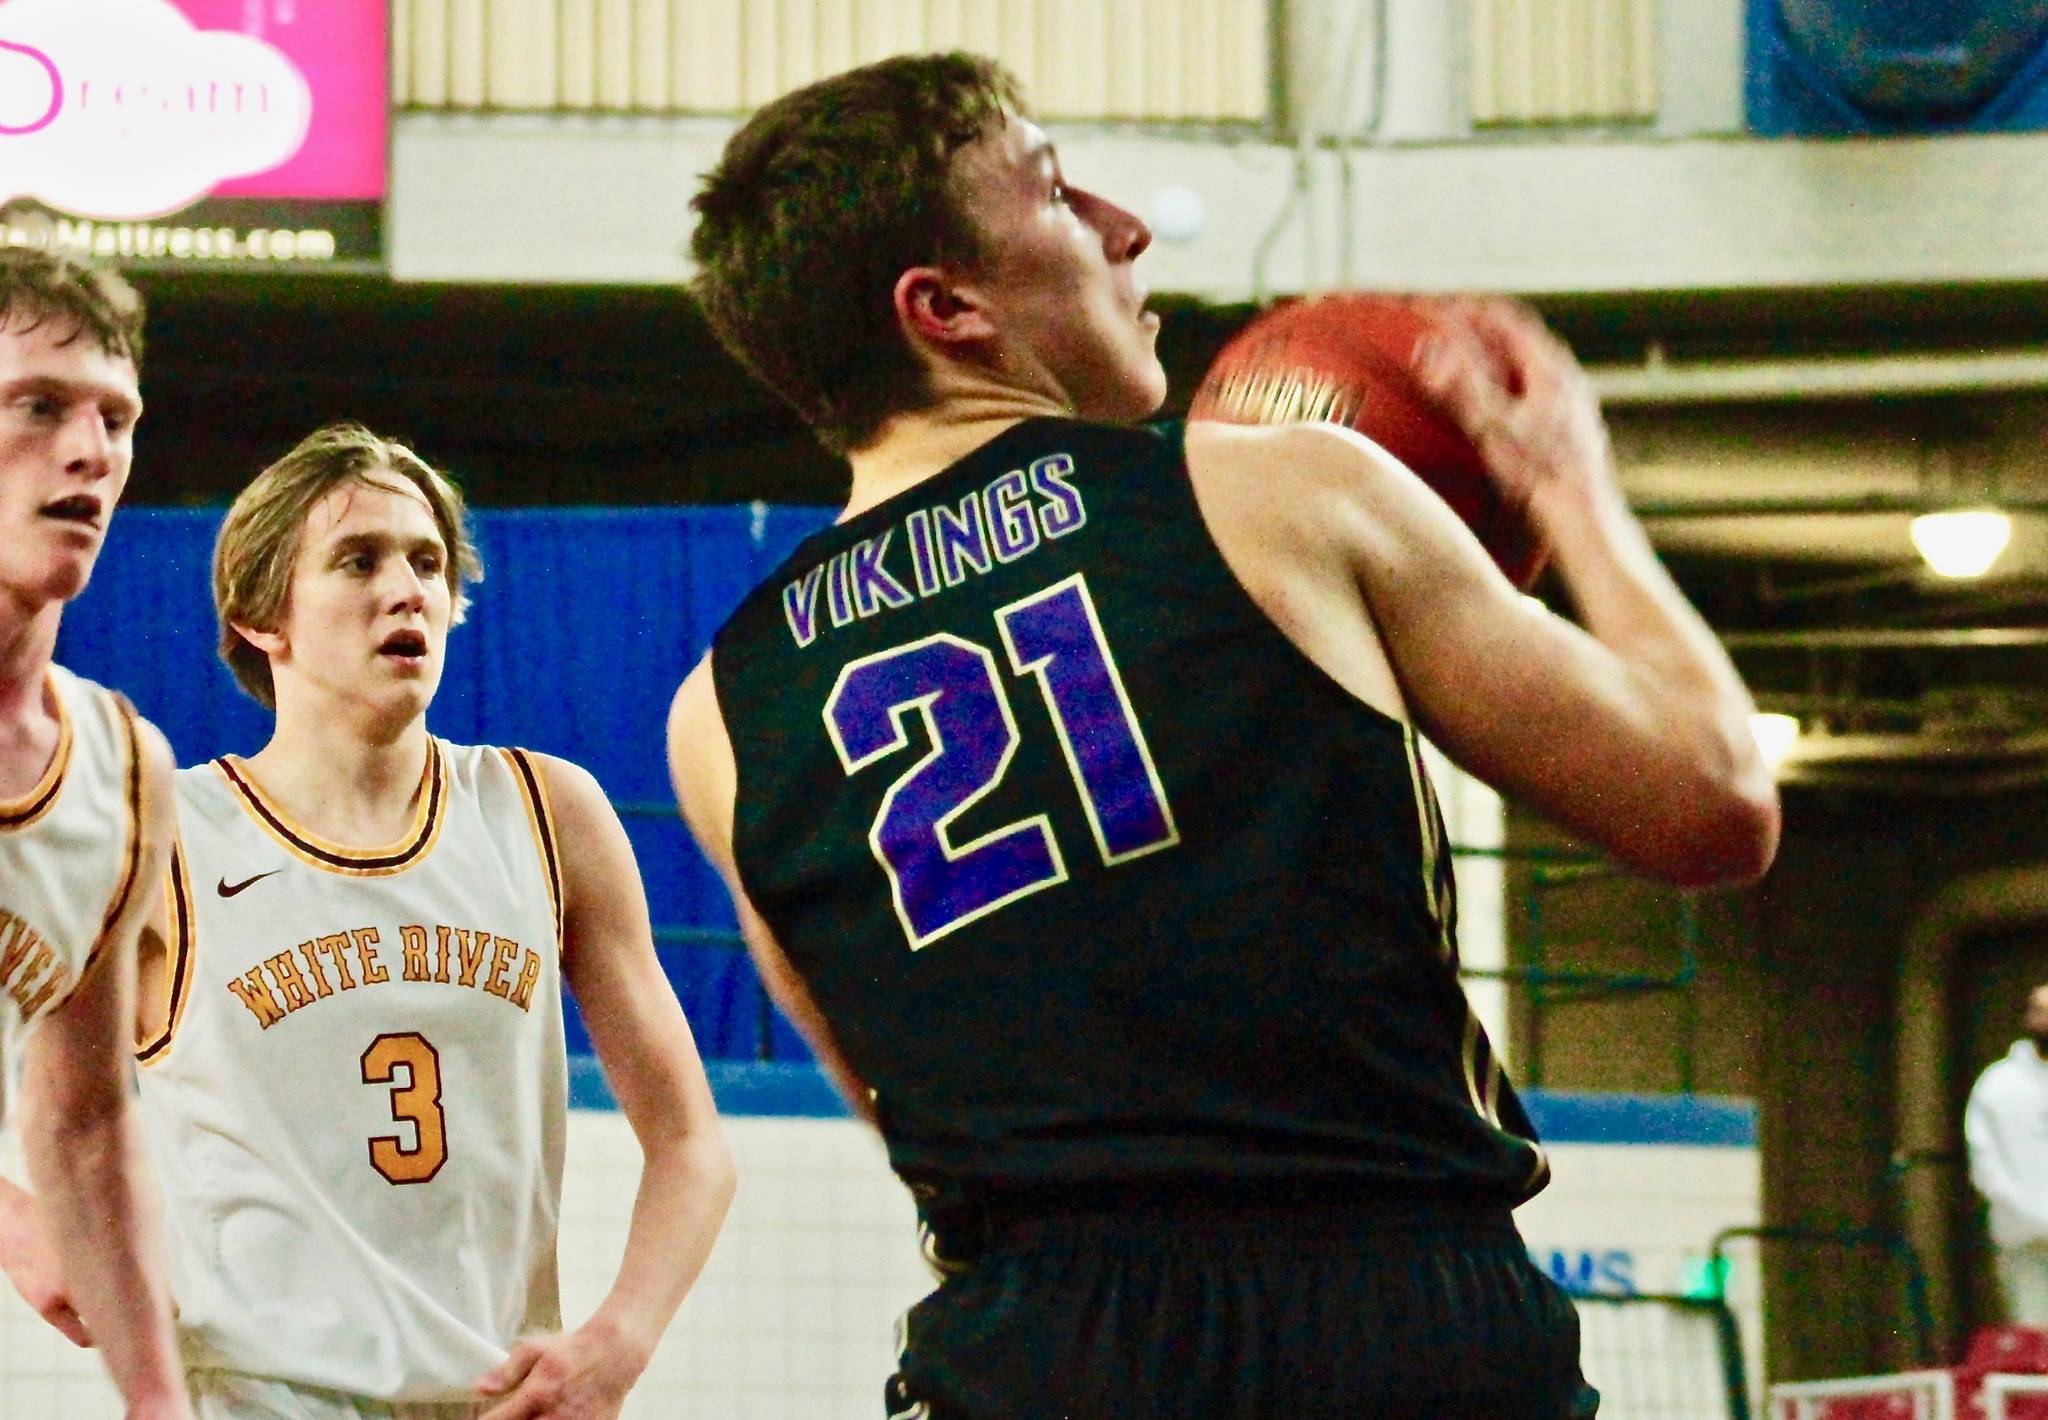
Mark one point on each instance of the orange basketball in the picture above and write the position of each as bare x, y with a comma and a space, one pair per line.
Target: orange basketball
1348, 358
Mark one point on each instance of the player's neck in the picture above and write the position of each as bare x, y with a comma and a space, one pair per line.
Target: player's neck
29, 724
355, 790
28, 639
923, 443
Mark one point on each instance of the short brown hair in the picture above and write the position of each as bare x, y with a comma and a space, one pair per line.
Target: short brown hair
39, 287
819, 203
258, 546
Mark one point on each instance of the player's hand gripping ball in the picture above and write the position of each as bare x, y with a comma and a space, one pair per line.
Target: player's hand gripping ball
1348, 358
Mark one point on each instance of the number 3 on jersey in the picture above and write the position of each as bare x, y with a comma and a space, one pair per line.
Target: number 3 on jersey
416, 1102
1055, 636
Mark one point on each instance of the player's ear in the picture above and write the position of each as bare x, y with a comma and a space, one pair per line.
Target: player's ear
934, 307
270, 643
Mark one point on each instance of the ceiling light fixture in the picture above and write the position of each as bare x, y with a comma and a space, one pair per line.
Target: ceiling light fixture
1962, 542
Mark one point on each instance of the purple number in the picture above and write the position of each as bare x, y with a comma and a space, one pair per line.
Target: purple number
939, 885
1055, 635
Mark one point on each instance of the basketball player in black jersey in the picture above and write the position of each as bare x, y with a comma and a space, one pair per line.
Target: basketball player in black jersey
1069, 792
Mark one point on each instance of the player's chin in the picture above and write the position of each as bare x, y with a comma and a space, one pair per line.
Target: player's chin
62, 577
410, 692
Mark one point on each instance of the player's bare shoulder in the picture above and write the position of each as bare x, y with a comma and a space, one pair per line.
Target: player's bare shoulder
700, 759
694, 710
1299, 475
1290, 506
575, 799
1315, 496
159, 785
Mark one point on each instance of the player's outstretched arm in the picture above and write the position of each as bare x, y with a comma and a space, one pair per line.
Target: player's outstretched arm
700, 762
1633, 732
83, 1144
1667, 683
650, 1061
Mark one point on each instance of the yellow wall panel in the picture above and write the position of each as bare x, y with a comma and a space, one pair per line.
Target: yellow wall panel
1079, 59
614, 45
1127, 54
576, 36
401, 52
1017, 40
886, 27
653, 89
521, 53
796, 59
835, 45
706, 64
945, 25
466, 31
1563, 61
981, 25
429, 45
1244, 61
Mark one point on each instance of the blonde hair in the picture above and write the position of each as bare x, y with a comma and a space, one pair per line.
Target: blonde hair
257, 549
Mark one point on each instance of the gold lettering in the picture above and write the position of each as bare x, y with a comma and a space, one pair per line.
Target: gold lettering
35, 1003
286, 973
366, 956
312, 959
413, 941
17, 948
503, 954
252, 991
529, 973
471, 960
41, 959
334, 944
441, 965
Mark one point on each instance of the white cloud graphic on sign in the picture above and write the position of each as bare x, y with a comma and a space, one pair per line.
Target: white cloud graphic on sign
123, 109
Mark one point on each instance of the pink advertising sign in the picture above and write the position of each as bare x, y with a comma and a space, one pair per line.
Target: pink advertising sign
195, 129
343, 50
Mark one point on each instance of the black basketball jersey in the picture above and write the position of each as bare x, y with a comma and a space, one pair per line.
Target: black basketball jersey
1099, 880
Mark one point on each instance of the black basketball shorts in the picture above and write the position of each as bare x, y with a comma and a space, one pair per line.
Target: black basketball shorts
1238, 1314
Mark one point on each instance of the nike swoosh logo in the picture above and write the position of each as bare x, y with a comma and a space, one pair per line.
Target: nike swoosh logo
227, 890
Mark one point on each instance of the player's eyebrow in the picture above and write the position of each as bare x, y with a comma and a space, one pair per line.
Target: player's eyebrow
100, 394
384, 542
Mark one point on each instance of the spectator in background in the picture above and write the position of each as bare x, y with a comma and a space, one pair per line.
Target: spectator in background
2006, 1128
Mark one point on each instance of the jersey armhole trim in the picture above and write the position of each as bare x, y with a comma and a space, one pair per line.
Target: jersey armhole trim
178, 895
132, 783
533, 792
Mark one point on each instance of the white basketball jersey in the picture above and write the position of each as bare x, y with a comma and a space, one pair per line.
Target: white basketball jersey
69, 851
358, 1106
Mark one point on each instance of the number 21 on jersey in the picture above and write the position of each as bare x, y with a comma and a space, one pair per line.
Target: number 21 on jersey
1055, 637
